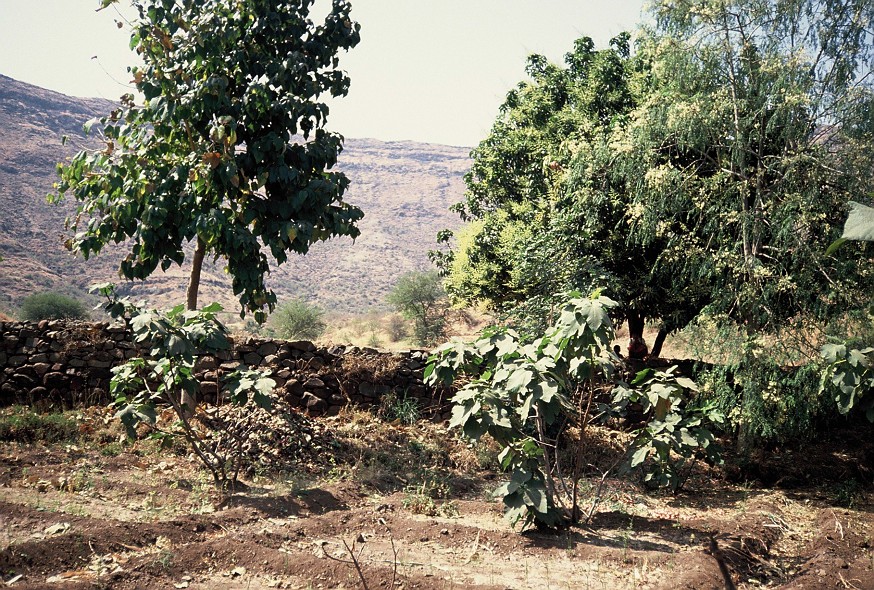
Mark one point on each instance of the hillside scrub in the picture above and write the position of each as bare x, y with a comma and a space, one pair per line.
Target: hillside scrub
52, 306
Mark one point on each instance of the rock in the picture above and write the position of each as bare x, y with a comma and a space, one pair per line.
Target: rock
313, 404
314, 383
268, 349
252, 359
302, 345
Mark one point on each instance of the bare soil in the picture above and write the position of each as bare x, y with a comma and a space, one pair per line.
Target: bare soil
401, 507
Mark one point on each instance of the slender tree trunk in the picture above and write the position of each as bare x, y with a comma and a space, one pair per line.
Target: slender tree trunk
194, 280
187, 400
659, 341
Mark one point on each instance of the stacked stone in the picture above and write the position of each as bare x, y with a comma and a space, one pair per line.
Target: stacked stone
59, 362
63, 363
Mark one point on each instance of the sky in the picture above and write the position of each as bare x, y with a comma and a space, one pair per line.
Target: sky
433, 71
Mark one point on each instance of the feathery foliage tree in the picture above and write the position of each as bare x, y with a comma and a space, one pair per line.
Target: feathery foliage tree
228, 150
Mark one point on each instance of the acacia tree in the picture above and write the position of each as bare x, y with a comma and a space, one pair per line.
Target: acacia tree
228, 149
420, 297
740, 158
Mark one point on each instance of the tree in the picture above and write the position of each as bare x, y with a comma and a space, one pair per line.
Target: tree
545, 212
228, 150
419, 296
298, 320
740, 160
708, 171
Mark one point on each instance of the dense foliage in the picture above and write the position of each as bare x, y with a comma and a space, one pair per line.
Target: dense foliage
228, 150
298, 320
52, 306
701, 175
709, 170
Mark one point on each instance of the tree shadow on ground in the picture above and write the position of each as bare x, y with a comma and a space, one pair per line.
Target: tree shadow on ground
307, 502
619, 530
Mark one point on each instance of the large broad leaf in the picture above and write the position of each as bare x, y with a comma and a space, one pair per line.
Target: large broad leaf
535, 496
860, 223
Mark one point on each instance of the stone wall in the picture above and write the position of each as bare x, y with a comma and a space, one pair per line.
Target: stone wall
67, 364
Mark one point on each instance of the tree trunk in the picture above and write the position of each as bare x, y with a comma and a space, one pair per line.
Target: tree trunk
659, 341
187, 400
636, 344
194, 280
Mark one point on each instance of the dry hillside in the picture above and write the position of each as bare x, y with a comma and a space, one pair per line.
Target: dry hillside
405, 189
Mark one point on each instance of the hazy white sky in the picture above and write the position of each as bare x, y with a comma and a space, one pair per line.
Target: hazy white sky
425, 70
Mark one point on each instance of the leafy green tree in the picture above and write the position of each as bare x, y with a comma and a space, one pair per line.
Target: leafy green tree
228, 150
298, 320
736, 162
546, 214
419, 296
52, 306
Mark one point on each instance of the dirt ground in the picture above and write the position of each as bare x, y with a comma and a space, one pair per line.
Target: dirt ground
403, 507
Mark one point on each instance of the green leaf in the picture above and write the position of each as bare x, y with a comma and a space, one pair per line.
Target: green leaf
860, 223
639, 456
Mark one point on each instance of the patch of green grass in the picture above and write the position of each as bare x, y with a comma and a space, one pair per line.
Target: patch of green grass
22, 424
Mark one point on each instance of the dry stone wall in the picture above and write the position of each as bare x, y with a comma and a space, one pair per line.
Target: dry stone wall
67, 364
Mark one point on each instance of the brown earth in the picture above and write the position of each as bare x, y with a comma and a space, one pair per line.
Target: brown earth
406, 504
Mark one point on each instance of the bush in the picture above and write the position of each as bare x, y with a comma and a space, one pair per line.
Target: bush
419, 296
298, 320
52, 306
22, 425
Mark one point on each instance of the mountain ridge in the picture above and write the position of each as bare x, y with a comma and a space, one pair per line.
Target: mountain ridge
404, 187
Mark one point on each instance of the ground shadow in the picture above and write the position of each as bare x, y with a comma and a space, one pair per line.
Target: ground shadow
307, 502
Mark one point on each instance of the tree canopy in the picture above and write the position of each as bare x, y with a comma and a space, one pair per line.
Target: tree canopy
228, 149
708, 169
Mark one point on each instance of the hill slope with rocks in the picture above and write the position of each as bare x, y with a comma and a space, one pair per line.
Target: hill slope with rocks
404, 188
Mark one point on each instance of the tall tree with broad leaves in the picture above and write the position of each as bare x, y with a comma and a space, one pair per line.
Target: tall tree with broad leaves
228, 148
546, 213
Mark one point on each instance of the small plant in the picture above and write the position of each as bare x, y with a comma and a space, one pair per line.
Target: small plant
517, 393
403, 408
850, 374
51, 306
848, 493
676, 429
298, 320
522, 395
166, 375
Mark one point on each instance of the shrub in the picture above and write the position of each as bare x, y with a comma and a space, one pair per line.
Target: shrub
21, 424
298, 320
419, 296
52, 306
396, 328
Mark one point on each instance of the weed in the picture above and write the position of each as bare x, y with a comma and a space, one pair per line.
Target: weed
402, 408
848, 493
21, 424
165, 559
112, 449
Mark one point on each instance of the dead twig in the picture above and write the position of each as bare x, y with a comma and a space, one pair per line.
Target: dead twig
353, 561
